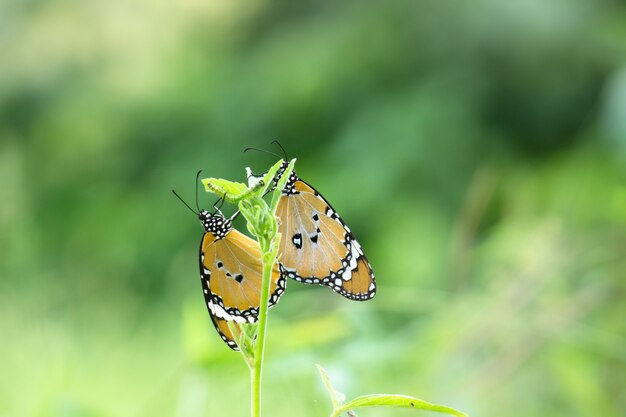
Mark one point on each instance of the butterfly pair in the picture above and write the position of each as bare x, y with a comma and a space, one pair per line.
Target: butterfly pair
316, 248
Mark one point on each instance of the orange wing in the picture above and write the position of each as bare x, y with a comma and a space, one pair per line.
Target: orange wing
317, 247
231, 273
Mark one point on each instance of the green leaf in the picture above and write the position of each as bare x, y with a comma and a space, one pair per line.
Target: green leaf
231, 190
245, 333
394, 400
379, 400
267, 177
337, 398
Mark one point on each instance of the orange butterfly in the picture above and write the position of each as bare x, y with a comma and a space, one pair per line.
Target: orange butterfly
316, 245
231, 274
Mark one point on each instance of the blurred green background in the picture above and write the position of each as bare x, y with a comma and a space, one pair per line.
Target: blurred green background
477, 150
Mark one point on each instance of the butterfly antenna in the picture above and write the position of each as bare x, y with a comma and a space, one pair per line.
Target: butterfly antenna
183, 201
197, 178
220, 202
249, 148
281, 148
234, 216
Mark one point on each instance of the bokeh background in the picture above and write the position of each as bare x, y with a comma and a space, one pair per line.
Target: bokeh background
477, 149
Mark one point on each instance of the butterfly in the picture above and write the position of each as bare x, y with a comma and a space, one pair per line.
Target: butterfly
231, 274
316, 246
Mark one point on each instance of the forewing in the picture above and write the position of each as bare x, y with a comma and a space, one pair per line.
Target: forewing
248, 252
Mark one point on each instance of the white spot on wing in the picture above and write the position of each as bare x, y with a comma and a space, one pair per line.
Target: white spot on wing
347, 274
218, 311
354, 251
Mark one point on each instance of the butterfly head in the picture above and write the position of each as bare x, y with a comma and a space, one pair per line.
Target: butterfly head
216, 224
283, 167
289, 186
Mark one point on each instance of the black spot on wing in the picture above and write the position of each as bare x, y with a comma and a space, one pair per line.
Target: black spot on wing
297, 240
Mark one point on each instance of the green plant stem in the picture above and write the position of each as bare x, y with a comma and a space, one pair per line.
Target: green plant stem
256, 372
337, 412
261, 222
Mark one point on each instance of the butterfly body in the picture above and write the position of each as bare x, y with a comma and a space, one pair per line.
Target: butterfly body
317, 247
231, 275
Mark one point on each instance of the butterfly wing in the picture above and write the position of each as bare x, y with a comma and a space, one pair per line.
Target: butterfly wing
231, 274
356, 283
316, 245
220, 324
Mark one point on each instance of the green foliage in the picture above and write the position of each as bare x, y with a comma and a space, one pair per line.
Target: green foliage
379, 400
477, 151
261, 222
233, 192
